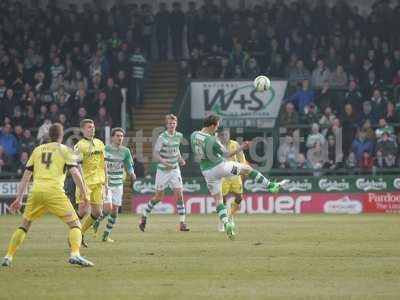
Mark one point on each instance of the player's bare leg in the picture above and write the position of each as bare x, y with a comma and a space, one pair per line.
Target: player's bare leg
158, 196
180, 207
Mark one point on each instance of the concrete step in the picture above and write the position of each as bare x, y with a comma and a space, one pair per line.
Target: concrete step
168, 87
161, 107
149, 101
161, 88
165, 99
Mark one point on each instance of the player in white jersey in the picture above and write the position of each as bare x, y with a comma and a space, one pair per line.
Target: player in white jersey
167, 154
118, 158
211, 155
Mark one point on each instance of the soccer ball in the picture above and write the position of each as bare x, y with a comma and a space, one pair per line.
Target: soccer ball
262, 83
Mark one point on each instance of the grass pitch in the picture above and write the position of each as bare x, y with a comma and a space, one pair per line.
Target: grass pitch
273, 256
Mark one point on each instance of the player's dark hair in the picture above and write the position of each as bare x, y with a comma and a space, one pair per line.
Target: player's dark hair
86, 121
117, 129
56, 132
211, 120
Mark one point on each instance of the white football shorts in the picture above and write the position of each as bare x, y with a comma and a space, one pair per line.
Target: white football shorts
215, 175
168, 178
114, 195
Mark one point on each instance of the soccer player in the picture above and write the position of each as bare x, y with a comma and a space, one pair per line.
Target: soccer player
166, 152
211, 154
48, 164
117, 157
91, 153
231, 185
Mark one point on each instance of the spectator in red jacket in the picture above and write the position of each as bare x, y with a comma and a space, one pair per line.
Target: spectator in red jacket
367, 162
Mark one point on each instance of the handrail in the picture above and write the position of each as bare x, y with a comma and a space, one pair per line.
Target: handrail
184, 98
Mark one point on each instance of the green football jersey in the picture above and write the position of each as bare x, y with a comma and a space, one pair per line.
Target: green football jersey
207, 150
118, 158
167, 146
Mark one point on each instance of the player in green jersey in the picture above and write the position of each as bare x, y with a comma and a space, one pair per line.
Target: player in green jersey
211, 154
117, 158
167, 154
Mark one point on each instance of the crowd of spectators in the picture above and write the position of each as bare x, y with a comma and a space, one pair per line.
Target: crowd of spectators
343, 70
63, 65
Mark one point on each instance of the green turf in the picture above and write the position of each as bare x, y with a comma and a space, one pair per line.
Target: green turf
285, 257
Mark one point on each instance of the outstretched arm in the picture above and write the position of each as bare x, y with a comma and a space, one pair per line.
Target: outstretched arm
17, 204
244, 146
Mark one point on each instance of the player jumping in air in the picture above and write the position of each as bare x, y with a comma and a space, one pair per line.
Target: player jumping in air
118, 157
166, 152
91, 154
231, 185
48, 164
211, 154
